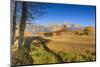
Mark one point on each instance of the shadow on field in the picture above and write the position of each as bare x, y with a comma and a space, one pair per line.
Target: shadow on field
42, 42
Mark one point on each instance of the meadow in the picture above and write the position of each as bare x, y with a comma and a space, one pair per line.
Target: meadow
60, 49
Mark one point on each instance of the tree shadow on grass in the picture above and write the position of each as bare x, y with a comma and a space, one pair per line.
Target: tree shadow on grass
43, 43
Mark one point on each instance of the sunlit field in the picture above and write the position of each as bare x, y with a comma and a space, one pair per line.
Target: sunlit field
59, 49
77, 48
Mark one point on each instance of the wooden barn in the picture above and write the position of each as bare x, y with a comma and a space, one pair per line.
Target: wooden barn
61, 31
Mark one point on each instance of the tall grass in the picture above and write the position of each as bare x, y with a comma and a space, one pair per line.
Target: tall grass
41, 56
38, 55
76, 57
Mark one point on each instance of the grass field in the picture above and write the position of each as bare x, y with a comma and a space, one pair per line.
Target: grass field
72, 43
59, 49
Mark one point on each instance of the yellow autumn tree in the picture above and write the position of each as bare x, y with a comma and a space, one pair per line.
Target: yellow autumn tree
89, 30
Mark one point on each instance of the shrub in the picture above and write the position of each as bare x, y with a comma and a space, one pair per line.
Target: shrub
89, 30
21, 57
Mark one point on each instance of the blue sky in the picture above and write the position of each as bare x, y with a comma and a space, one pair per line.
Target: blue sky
72, 14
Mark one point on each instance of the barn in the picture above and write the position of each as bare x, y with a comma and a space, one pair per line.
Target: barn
62, 30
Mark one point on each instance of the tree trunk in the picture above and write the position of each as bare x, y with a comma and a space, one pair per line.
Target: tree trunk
22, 23
14, 24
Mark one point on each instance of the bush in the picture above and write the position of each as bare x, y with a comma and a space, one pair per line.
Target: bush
89, 30
21, 57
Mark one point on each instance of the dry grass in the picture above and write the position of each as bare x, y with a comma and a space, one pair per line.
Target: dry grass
80, 46
72, 43
69, 48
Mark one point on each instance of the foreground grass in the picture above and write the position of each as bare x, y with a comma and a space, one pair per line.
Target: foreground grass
40, 56
76, 57
69, 49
